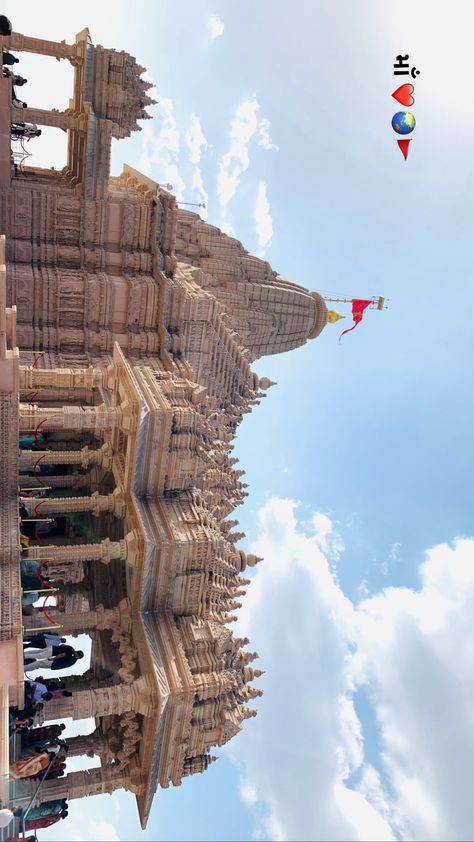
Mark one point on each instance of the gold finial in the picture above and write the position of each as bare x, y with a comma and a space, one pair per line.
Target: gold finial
334, 316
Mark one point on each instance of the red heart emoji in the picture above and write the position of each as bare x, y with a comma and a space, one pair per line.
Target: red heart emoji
403, 94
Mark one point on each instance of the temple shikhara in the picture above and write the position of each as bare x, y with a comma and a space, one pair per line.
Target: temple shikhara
128, 328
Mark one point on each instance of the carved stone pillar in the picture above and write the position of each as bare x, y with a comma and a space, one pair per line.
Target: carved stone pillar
95, 419
86, 681
95, 503
90, 744
82, 621
61, 378
103, 551
73, 590
88, 782
85, 457
103, 701
57, 49
80, 784
53, 396
85, 480
68, 119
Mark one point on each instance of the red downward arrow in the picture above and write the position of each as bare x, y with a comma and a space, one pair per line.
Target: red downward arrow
403, 144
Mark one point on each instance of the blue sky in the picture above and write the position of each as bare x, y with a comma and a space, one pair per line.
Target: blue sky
365, 729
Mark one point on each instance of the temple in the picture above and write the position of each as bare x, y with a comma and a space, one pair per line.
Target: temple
128, 327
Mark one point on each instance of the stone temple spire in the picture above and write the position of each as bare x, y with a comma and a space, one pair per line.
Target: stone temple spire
268, 313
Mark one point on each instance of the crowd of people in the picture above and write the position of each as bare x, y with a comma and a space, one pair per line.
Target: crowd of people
19, 129
34, 572
43, 751
42, 757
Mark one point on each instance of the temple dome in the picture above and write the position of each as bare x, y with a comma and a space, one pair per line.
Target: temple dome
321, 316
274, 316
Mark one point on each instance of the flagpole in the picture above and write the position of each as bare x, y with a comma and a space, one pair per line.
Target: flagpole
378, 302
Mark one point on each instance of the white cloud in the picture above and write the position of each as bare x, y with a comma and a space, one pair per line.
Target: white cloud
79, 828
304, 760
236, 160
102, 831
264, 135
248, 793
215, 26
162, 149
263, 219
195, 139
387, 565
245, 126
394, 554
328, 540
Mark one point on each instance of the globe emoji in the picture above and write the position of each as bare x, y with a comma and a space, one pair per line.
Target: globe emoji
403, 122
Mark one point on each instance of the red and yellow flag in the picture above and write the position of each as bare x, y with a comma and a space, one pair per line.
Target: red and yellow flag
358, 307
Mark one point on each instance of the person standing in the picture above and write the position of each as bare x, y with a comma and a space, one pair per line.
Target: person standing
9, 58
43, 640
31, 765
7, 815
36, 692
45, 732
51, 657
16, 80
5, 25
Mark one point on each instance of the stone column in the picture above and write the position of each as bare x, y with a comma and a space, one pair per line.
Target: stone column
86, 480
69, 119
82, 621
95, 503
54, 396
90, 744
104, 701
103, 551
91, 418
86, 681
102, 457
60, 378
57, 49
88, 782
71, 590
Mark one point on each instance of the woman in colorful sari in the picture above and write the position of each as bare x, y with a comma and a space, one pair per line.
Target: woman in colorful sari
30, 566
30, 442
47, 810
58, 763
56, 771
39, 744
50, 732
24, 541
38, 824
31, 765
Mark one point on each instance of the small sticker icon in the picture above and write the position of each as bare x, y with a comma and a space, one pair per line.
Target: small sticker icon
404, 94
403, 122
404, 145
